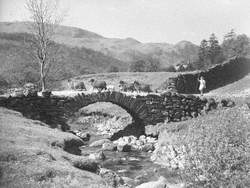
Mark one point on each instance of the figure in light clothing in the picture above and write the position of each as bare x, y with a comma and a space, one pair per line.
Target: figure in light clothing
202, 86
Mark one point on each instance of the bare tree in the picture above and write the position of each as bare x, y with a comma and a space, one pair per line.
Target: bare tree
43, 26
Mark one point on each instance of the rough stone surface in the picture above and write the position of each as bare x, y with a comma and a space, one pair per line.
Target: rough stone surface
87, 165
97, 156
129, 143
217, 76
109, 147
85, 136
123, 148
111, 177
99, 142
145, 110
160, 183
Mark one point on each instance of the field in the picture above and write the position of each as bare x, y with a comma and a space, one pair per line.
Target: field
155, 79
238, 89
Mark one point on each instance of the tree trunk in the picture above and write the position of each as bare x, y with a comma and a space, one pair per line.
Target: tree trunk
42, 76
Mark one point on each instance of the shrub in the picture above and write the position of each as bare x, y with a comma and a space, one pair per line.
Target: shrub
3, 82
217, 151
113, 68
137, 66
170, 68
85, 70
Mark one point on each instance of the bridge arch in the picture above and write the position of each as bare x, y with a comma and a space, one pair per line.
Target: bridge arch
145, 110
135, 107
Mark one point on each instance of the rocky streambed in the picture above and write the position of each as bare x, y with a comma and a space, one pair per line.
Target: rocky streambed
129, 159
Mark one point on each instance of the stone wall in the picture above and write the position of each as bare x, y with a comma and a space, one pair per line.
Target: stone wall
47, 110
145, 110
217, 76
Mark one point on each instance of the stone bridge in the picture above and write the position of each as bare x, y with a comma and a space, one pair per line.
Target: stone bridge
145, 110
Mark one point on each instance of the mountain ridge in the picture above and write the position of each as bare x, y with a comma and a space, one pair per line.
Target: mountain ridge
126, 50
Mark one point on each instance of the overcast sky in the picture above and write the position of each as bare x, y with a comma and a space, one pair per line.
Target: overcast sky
148, 20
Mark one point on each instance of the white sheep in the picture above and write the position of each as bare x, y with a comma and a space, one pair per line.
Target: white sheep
111, 88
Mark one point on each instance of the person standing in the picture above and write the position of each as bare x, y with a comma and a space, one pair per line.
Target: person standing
202, 85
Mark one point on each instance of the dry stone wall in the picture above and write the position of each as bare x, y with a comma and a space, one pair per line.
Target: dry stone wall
47, 110
146, 110
217, 76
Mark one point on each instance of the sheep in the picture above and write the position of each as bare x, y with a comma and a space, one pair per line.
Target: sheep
76, 85
139, 87
80, 86
126, 86
111, 88
99, 85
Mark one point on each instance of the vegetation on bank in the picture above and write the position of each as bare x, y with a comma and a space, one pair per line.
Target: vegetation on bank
216, 148
33, 155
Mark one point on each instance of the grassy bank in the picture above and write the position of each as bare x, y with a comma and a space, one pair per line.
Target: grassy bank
32, 155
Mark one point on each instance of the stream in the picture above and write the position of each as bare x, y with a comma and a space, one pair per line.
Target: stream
135, 166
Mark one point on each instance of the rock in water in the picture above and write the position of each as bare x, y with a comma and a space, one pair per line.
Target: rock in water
99, 142
160, 183
84, 136
97, 156
108, 146
123, 148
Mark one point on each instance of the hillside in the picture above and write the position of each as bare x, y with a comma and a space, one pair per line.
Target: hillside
32, 155
126, 50
18, 66
238, 89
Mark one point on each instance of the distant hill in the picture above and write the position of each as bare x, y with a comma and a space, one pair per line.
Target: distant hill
17, 66
125, 50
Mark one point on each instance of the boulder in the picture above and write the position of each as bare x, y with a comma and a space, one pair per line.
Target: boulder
108, 146
127, 180
97, 156
123, 148
147, 147
85, 136
99, 142
227, 103
85, 164
160, 183
113, 179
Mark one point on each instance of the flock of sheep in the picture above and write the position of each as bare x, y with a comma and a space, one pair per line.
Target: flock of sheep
103, 86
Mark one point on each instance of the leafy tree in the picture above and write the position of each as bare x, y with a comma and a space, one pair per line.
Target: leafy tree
235, 45
152, 65
170, 68
138, 66
203, 55
3, 82
113, 68
203, 50
214, 53
230, 35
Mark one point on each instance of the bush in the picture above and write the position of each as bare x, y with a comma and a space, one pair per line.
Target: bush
217, 151
113, 68
3, 83
170, 68
137, 66
85, 70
